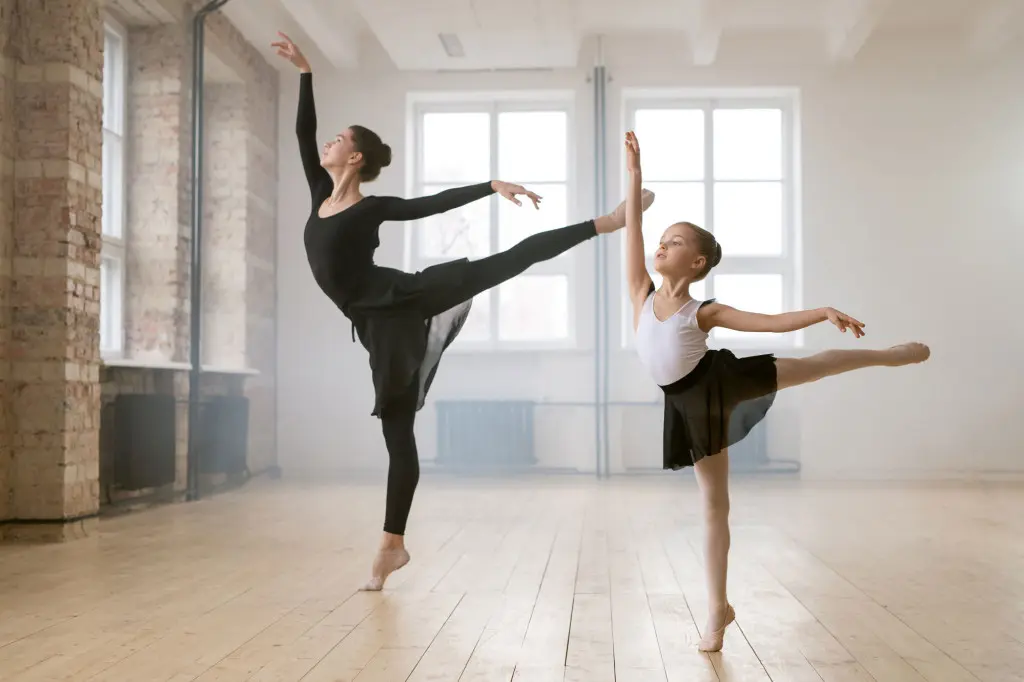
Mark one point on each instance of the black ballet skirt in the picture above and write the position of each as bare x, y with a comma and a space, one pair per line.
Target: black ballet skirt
716, 405
405, 340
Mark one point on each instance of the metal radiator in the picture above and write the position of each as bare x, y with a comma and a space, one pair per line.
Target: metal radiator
143, 438
482, 434
224, 435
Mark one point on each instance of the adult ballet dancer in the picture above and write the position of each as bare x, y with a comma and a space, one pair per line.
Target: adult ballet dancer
712, 398
404, 320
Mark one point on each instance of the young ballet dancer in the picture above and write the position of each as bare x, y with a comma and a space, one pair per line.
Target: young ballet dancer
404, 320
712, 398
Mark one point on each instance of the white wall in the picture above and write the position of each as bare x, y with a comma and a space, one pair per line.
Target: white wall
910, 162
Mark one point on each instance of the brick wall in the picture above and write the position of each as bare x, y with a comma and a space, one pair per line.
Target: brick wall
7, 137
50, 206
52, 380
224, 228
260, 149
158, 221
239, 296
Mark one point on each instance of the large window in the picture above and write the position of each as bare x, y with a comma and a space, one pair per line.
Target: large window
525, 142
725, 164
112, 260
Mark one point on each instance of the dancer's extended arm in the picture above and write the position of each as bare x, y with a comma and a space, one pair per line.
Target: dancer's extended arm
396, 208
719, 315
636, 265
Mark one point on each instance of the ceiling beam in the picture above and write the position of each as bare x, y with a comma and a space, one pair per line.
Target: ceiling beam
703, 31
332, 26
851, 24
997, 24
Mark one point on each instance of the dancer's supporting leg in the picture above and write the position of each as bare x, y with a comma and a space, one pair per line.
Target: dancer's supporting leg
487, 273
796, 371
713, 480
397, 419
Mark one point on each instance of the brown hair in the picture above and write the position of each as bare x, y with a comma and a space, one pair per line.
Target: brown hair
708, 247
376, 154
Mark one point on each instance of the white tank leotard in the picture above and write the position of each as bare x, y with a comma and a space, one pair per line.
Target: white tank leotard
670, 348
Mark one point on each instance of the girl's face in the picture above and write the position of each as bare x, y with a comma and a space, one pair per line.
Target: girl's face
678, 253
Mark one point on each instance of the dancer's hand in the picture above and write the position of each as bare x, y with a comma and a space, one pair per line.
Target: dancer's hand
632, 153
290, 51
844, 322
510, 191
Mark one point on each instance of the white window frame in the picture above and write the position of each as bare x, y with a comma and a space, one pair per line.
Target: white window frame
495, 103
788, 263
112, 289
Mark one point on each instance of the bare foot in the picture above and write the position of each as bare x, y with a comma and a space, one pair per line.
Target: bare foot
714, 632
616, 220
908, 354
387, 562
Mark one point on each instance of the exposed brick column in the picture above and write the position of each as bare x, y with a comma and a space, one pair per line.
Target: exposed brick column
225, 203
54, 345
261, 305
7, 138
159, 209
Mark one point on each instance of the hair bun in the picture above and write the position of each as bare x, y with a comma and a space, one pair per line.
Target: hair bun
385, 155
718, 254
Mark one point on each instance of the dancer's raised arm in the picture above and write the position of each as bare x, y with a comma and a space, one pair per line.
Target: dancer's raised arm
396, 208
636, 264
305, 120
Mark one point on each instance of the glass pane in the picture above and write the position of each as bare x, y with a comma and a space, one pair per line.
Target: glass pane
698, 290
113, 185
111, 44
674, 202
748, 218
671, 143
534, 308
463, 232
748, 144
110, 304
751, 293
456, 147
532, 146
515, 223
478, 325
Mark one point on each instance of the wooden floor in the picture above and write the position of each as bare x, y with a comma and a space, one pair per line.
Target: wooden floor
533, 580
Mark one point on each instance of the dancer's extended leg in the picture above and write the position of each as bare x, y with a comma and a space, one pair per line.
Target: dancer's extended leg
713, 480
796, 371
487, 273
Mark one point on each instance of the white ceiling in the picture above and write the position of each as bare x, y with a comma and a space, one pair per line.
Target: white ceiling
498, 34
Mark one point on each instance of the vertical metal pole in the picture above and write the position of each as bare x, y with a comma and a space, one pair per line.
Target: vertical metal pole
196, 267
599, 301
603, 278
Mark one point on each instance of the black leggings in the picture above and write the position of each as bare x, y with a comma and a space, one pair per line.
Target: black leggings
399, 415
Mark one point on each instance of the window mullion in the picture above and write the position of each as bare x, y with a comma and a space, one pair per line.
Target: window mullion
709, 179
494, 209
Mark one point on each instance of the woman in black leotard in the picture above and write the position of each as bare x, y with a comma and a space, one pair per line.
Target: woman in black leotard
404, 320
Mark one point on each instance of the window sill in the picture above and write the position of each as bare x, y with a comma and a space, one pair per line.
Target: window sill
132, 363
